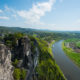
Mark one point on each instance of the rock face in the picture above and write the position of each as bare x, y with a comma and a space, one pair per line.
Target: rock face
23, 52
6, 69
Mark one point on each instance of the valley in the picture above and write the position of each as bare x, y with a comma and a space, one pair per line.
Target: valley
41, 55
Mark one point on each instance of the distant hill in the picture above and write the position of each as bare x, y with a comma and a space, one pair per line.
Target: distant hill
14, 29
28, 30
41, 33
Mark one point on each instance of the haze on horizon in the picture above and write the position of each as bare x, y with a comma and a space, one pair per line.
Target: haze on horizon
63, 15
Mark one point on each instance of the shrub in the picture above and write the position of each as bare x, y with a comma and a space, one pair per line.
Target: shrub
15, 62
23, 74
17, 74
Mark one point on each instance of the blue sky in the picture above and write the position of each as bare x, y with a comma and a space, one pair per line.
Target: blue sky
41, 14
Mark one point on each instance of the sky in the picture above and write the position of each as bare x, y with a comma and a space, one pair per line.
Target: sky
63, 15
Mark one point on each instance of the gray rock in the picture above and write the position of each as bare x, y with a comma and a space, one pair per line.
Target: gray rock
23, 52
6, 69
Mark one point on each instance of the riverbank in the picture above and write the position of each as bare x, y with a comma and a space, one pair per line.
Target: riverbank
47, 68
50, 48
69, 69
75, 57
51, 53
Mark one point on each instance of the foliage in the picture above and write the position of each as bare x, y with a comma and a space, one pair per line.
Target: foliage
72, 40
8, 43
43, 34
11, 39
23, 74
47, 68
33, 43
19, 74
1, 38
78, 44
15, 63
50, 47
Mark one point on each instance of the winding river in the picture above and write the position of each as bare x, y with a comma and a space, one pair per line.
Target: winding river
70, 70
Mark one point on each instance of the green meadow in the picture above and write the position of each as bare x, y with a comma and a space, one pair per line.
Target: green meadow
75, 57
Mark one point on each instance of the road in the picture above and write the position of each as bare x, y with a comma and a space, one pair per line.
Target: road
69, 69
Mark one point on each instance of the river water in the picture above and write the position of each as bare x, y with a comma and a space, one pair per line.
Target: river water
69, 69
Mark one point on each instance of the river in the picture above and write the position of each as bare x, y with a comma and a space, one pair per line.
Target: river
69, 69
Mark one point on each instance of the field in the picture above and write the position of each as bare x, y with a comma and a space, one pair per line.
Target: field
75, 57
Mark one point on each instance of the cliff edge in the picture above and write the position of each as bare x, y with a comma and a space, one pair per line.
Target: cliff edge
6, 69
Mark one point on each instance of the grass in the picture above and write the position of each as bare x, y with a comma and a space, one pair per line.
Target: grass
50, 48
78, 44
72, 40
75, 57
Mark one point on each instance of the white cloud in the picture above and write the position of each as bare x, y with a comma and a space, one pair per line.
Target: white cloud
8, 9
4, 17
1, 11
36, 12
33, 15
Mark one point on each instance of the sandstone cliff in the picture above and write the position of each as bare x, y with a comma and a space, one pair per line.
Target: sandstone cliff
6, 69
23, 53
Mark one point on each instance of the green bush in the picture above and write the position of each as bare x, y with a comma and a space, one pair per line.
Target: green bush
9, 43
19, 74
15, 63
78, 44
11, 39
23, 74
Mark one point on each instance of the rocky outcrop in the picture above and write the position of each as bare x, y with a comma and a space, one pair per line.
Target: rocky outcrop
6, 69
23, 52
